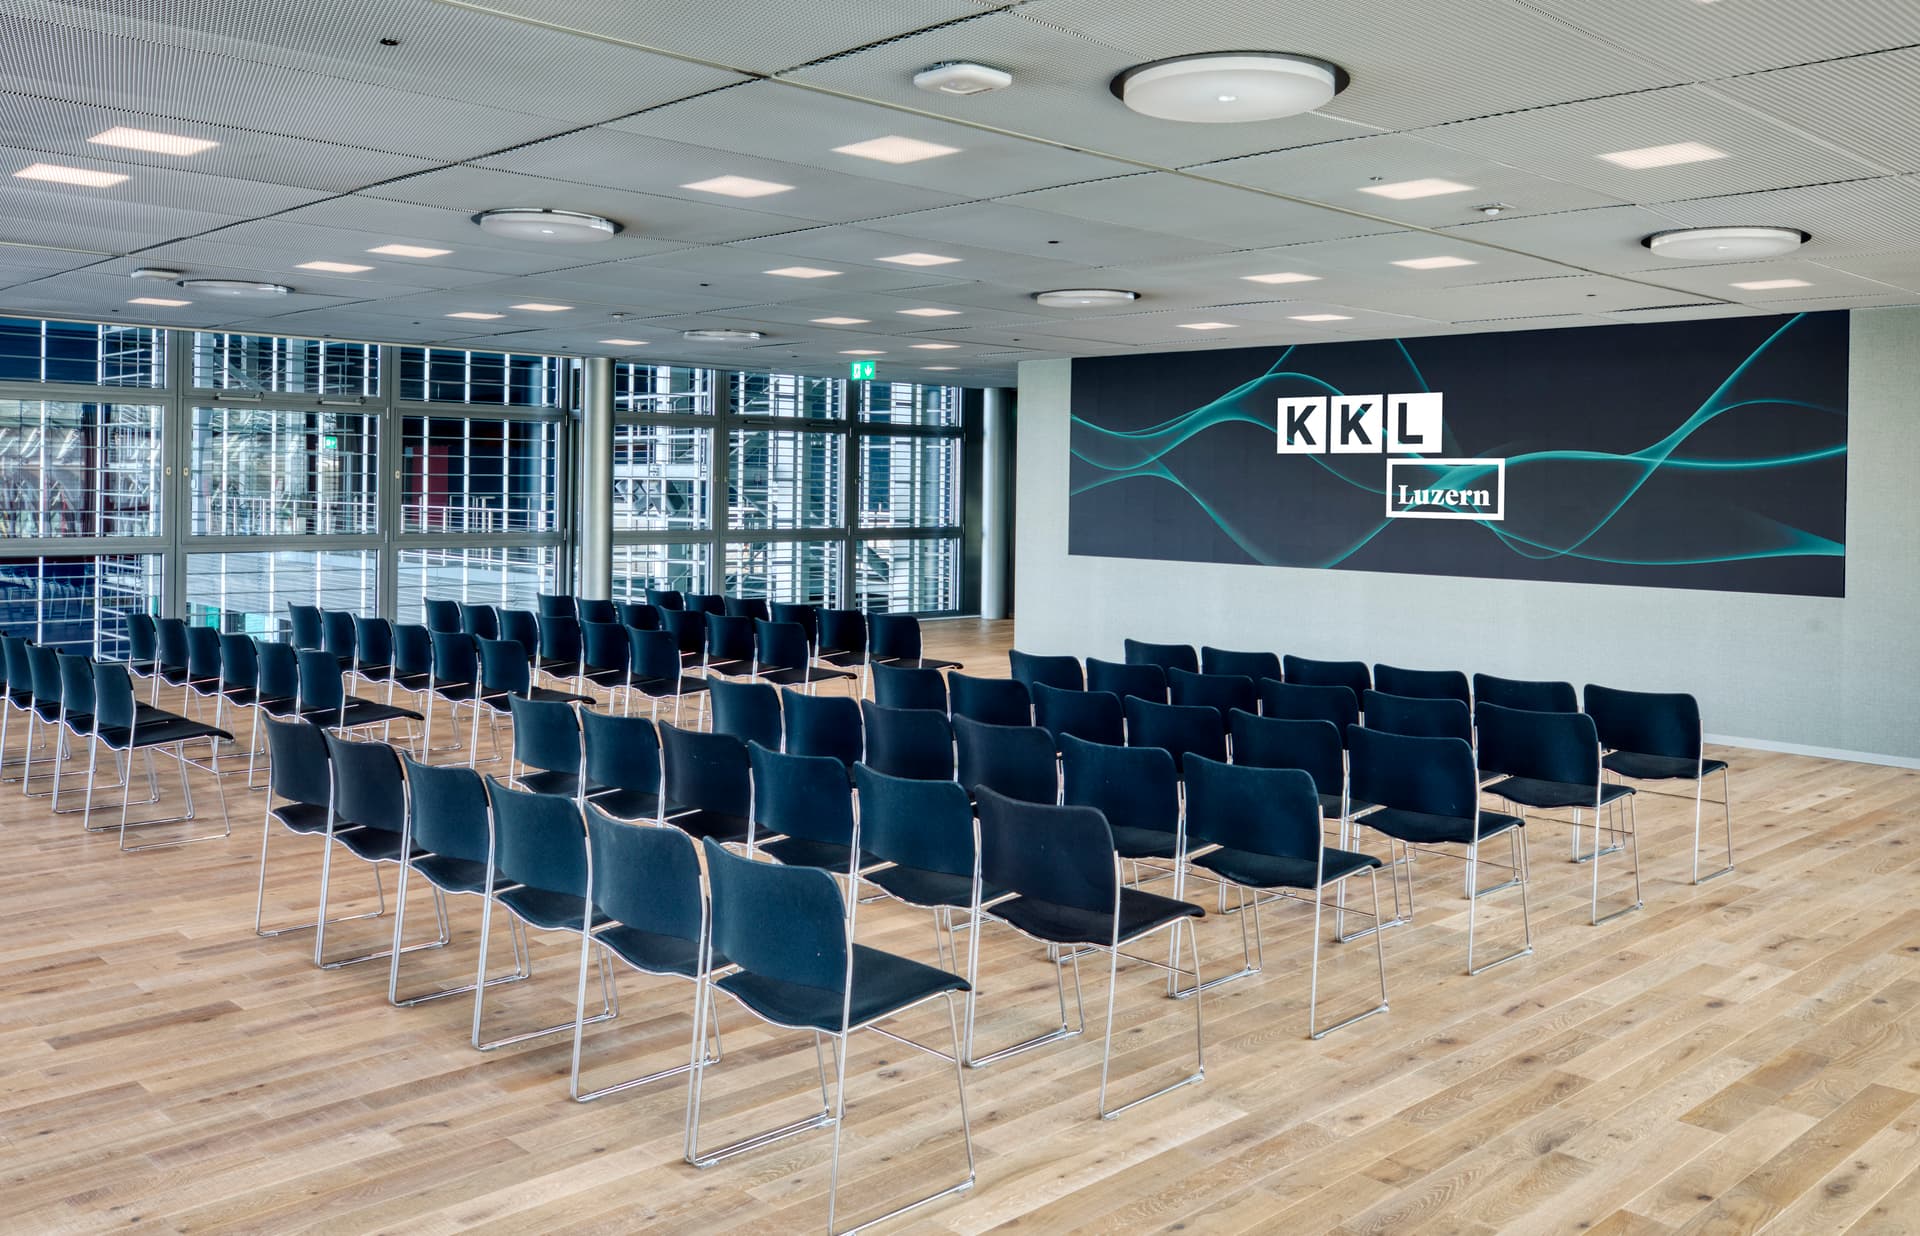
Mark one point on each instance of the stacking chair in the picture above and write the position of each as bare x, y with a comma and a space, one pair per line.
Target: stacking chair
908, 742
824, 725
324, 698
922, 834
479, 621
1428, 794
554, 605
896, 641
441, 617
1254, 665
1014, 760
1177, 729
1063, 673
1136, 790
373, 653
1352, 675
19, 694
123, 729
1258, 829
666, 598
337, 636
804, 616
455, 681
783, 657
239, 676
730, 645
1551, 761
367, 817
305, 625
1166, 656
657, 670
802, 811
643, 885
706, 785
594, 609
172, 655
205, 672
43, 670
842, 640
1531, 696
1422, 684
606, 660
538, 875
561, 644
1295, 701
276, 694
789, 937
412, 668
1418, 717
1312, 747
1063, 880
75, 672
898, 687
1147, 682
143, 647
620, 757
546, 746
504, 674
1097, 716
707, 603
688, 627
300, 777
750, 711
1221, 692
749, 607
523, 629
1652, 736
637, 614
995, 701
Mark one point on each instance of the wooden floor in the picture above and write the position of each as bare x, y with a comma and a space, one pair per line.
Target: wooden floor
1737, 1057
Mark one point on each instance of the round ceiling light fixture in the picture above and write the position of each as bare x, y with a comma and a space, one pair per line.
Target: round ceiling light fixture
1726, 244
1229, 87
722, 336
550, 227
235, 287
1085, 298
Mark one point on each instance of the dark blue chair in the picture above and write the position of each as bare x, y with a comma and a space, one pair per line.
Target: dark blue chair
239, 675
1097, 716
276, 693
908, 742
307, 628
1422, 684
706, 784
43, 669
895, 639
75, 721
521, 627
412, 669
789, 937
143, 646
1427, 793
842, 639
730, 644
621, 759
606, 660
900, 687
560, 648
546, 746
1063, 879
367, 817
19, 688
824, 725
688, 627
1295, 701
1254, 665
373, 652
749, 711
441, 617
1014, 760
804, 616
1527, 695
1352, 675
324, 697
299, 791
1136, 790
707, 603
638, 614
1166, 656
554, 605
205, 673
337, 636
595, 609
479, 621
658, 669
1221, 692
1147, 682
994, 701
666, 598
802, 810
1658, 736
923, 832
1063, 673
455, 680
1258, 830
749, 607
784, 657
1416, 717
1312, 747
123, 728
506, 674
174, 653
1177, 729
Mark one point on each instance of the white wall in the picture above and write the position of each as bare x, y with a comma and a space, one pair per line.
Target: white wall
1796, 673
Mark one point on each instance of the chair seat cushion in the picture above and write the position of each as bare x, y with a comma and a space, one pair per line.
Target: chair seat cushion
661, 687
412, 682
558, 669
919, 663
1532, 792
653, 952
164, 729
843, 659
1643, 767
375, 845
546, 909
456, 875
305, 818
371, 712
1422, 829
605, 677
546, 782
456, 692
715, 824
48, 711
787, 677
800, 852
1143, 842
1273, 871
919, 886
732, 668
1063, 924
1330, 806
548, 695
882, 984
624, 804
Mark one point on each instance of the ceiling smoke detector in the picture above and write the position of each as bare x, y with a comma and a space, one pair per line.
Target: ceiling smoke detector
235, 287
1726, 244
1229, 87
551, 227
1085, 298
722, 336
1492, 209
962, 77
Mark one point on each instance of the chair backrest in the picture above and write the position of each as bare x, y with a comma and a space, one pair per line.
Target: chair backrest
707, 603
645, 878
604, 646
688, 628
76, 685
1352, 675
1016, 760
239, 665
804, 796
1313, 747
1525, 694
522, 628
298, 769
279, 670
367, 786
551, 605
775, 922
729, 639
638, 614
412, 649
914, 822
1221, 692
372, 641
170, 638
807, 617
1421, 718
896, 686
1433, 776
1646, 722
307, 626
781, 645
1059, 854
594, 609
666, 598
320, 685
141, 641
203, 652
842, 631
622, 753
113, 705
1299, 701
1132, 787
1147, 682
448, 806
44, 665
827, 725
1547, 746
1177, 728
481, 621
1270, 811
546, 734
1422, 684
1166, 656
503, 666
705, 772
656, 660
996, 701
1096, 716
538, 840
560, 638
895, 637
1254, 665
908, 742
455, 659
750, 711
337, 634
19, 665
1034, 669
749, 607
441, 616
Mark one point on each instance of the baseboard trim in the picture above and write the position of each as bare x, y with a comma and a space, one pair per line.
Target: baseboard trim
1825, 753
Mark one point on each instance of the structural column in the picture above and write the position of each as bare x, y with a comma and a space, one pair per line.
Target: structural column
596, 479
996, 503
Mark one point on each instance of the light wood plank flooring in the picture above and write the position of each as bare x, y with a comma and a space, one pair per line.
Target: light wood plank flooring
1737, 1057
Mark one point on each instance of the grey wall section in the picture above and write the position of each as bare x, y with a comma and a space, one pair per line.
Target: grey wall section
1830, 676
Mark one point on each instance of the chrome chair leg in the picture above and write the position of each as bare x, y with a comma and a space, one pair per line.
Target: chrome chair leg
1380, 956
1516, 844
1199, 1036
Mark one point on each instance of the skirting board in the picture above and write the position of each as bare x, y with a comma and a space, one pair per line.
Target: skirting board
1825, 753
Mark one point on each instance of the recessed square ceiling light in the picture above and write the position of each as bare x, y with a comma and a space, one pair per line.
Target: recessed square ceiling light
1282, 276
626, 343
534, 306
918, 259
477, 317
334, 268
896, 150
940, 368
420, 251
153, 143
802, 272
1322, 317
158, 300
1407, 190
862, 352
1664, 156
1769, 285
1207, 326
931, 313
1435, 263
82, 176
839, 321
936, 347
738, 186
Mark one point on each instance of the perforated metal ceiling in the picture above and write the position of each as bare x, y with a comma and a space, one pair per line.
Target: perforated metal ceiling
333, 142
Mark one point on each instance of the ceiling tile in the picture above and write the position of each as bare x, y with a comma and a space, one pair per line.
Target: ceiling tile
1223, 215
1707, 40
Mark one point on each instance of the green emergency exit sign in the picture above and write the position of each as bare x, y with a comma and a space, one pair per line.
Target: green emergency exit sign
860, 370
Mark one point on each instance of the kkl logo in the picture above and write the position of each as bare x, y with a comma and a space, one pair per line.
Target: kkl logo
1417, 487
